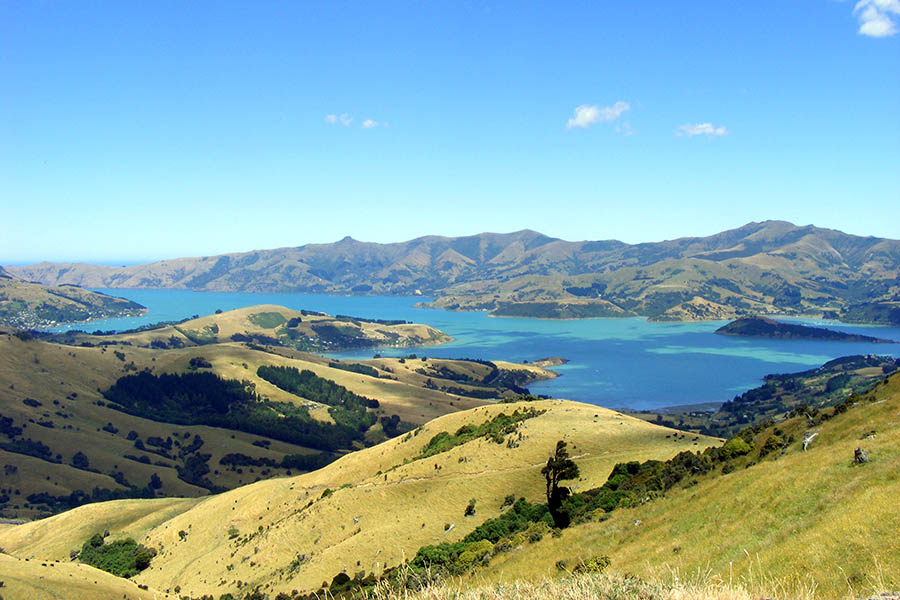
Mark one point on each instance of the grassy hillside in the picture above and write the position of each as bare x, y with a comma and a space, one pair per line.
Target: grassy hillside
62, 580
760, 268
31, 305
791, 520
369, 510
771, 520
53, 408
697, 586
270, 325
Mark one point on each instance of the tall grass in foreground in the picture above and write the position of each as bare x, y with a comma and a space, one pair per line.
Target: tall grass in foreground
698, 586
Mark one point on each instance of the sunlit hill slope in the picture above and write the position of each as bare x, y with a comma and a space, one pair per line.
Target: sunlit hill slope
367, 511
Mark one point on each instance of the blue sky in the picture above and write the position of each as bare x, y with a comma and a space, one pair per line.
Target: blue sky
137, 131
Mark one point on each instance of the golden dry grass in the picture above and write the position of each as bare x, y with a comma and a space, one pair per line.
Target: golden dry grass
48, 580
220, 327
384, 505
53, 373
700, 586
804, 519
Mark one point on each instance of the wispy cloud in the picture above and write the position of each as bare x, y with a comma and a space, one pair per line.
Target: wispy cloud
343, 119
876, 17
369, 124
701, 129
587, 114
625, 129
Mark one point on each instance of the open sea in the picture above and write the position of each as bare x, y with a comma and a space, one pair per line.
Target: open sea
616, 363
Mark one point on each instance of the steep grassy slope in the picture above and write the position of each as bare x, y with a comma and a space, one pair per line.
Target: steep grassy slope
32, 305
365, 512
797, 520
770, 267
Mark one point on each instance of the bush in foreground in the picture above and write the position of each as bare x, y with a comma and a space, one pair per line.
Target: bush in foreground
122, 558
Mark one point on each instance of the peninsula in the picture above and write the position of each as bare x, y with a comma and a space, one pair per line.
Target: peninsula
768, 328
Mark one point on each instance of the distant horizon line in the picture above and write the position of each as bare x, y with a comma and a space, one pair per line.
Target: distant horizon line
121, 263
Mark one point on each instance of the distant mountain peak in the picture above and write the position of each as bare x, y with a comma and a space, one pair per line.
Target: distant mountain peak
767, 267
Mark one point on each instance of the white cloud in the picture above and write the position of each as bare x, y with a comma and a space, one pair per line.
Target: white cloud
875, 17
701, 129
343, 119
586, 114
369, 124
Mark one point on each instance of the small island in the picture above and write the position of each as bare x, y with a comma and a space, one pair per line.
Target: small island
769, 328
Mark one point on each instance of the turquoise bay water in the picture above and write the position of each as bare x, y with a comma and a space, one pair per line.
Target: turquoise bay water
619, 363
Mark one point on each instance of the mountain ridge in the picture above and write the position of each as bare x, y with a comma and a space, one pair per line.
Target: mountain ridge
768, 267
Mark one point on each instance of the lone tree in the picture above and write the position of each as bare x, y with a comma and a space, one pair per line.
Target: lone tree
559, 467
80, 461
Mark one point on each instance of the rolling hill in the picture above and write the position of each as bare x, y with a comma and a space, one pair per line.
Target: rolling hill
770, 267
27, 305
269, 325
62, 437
783, 521
368, 511
777, 512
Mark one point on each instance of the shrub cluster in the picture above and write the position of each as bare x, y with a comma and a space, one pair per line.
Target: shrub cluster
202, 398
495, 429
122, 558
523, 522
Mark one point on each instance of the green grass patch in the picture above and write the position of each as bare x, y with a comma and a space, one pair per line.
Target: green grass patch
123, 558
207, 335
267, 320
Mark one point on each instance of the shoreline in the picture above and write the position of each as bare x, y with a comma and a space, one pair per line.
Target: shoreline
425, 300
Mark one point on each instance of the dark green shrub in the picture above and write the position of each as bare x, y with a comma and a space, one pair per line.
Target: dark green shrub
123, 558
595, 564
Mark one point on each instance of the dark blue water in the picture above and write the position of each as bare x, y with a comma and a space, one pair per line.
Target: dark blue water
627, 363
